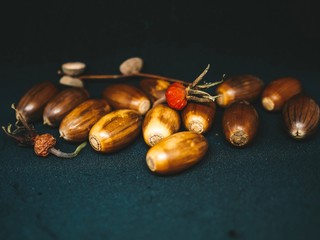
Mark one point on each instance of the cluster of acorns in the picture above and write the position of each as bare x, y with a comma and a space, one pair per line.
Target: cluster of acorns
157, 108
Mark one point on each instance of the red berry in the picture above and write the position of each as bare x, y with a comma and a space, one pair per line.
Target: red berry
176, 96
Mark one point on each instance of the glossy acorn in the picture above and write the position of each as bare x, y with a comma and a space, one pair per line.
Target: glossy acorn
198, 117
33, 102
278, 91
154, 88
160, 121
240, 123
301, 116
63, 103
246, 87
125, 96
115, 130
75, 126
177, 152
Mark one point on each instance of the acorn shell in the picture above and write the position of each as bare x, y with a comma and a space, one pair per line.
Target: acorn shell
33, 102
277, 92
240, 123
73, 68
154, 88
198, 117
301, 116
63, 103
131, 66
160, 121
76, 125
246, 87
125, 96
177, 152
115, 130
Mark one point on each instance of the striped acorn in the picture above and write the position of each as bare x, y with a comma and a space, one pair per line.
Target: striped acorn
125, 96
301, 116
160, 121
240, 123
63, 103
33, 102
76, 125
198, 117
154, 88
246, 87
277, 92
177, 152
115, 130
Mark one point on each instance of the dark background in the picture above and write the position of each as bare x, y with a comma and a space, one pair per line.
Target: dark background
48, 31
268, 190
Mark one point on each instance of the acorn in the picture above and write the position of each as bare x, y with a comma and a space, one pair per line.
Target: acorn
301, 116
278, 91
63, 103
240, 123
73, 68
160, 121
246, 87
76, 125
177, 152
115, 130
154, 88
198, 117
125, 96
33, 102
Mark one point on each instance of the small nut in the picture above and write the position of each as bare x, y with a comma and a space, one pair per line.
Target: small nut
63, 103
131, 66
246, 87
177, 152
76, 125
115, 130
240, 123
160, 121
125, 96
301, 116
73, 68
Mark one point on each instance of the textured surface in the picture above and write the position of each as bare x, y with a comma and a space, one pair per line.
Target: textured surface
269, 190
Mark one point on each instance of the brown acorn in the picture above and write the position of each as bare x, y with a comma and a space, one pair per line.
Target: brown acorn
160, 121
33, 102
63, 103
177, 152
301, 116
198, 117
154, 88
277, 92
115, 130
246, 87
75, 126
240, 123
125, 96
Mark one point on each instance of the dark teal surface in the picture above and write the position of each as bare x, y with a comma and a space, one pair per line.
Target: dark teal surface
268, 190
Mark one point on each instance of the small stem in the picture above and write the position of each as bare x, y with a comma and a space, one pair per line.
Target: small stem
60, 154
209, 85
159, 101
198, 79
138, 74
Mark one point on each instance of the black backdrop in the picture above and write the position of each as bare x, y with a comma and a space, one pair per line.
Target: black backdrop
58, 30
